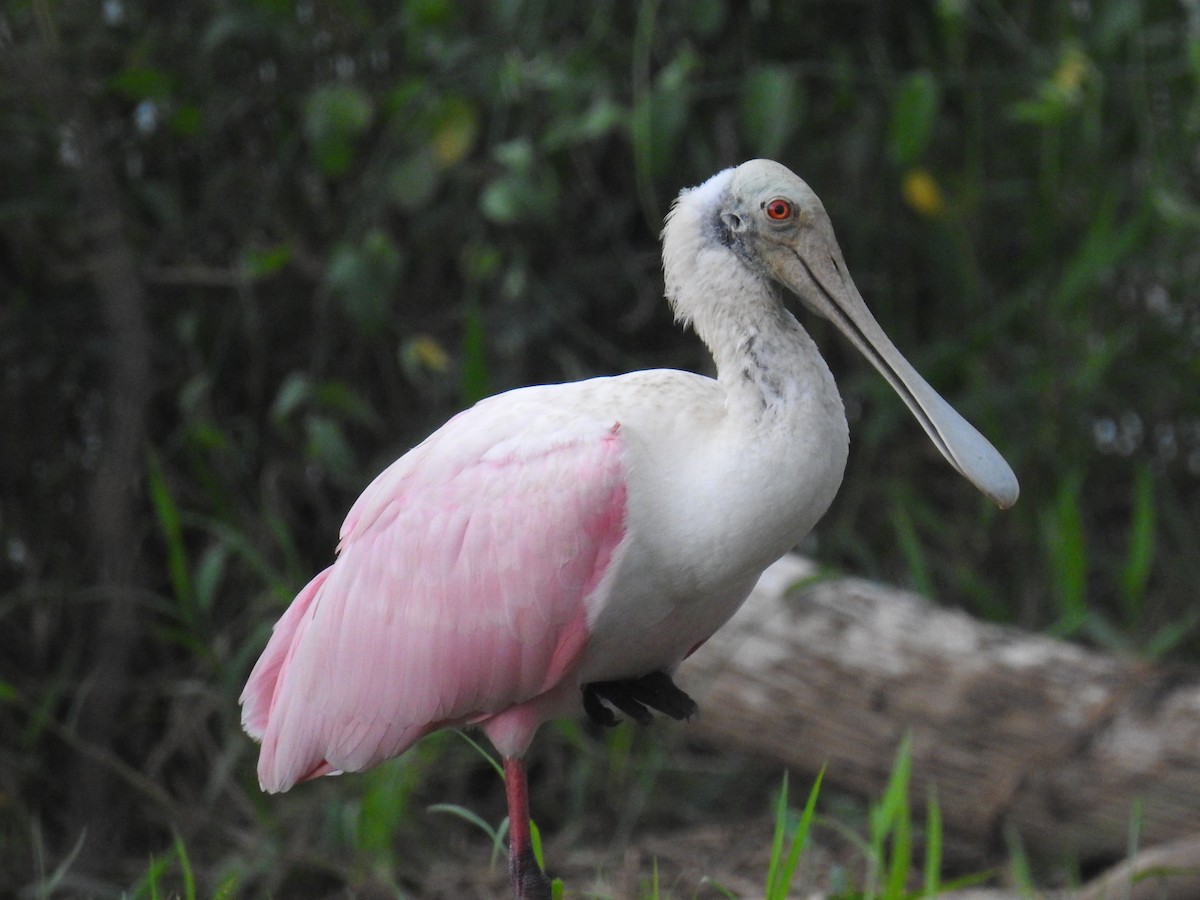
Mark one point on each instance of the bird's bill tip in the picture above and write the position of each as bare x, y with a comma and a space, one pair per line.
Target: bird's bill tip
996, 481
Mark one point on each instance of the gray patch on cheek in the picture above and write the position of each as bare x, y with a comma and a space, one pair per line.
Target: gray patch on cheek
720, 231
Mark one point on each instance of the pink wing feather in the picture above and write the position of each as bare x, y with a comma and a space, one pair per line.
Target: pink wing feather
458, 593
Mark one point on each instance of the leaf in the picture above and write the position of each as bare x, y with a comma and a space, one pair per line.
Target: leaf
1059, 95
1175, 207
260, 262
454, 130
772, 108
242, 22
348, 403
479, 262
1119, 22
705, 17
914, 116
501, 200
327, 445
1106, 244
660, 115
139, 83
428, 13
295, 390
413, 182
209, 573
602, 117
335, 116
520, 197
516, 155
364, 277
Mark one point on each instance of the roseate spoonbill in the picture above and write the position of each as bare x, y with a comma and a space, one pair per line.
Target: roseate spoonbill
572, 543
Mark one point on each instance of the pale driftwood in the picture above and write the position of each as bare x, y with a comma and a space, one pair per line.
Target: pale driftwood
1167, 872
1020, 733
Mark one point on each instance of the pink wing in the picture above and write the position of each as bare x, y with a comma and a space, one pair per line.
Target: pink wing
459, 592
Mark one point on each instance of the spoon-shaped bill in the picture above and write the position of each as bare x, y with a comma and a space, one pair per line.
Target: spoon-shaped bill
962, 445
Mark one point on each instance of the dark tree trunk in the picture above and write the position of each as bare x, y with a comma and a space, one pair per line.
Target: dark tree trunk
61, 84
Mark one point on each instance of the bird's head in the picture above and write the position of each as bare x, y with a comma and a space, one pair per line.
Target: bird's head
761, 223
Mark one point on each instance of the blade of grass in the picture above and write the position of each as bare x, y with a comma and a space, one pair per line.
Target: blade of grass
495, 834
890, 818
620, 754
148, 885
910, 546
654, 887
1142, 530
209, 573
227, 888
482, 751
781, 803
705, 881
1065, 537
1167, 638
535, 837
1137, 815
1020, 870
476, 380
779, 880
47, 885
247, 551
933, 844
185, 869
169, 522
899, 851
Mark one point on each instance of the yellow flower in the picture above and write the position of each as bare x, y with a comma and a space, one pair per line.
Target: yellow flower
1071, 73
922, 193
428, 354
454, 133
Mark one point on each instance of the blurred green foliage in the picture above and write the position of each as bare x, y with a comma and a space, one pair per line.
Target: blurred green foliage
351, 219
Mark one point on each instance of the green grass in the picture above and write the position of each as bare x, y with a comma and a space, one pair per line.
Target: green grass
886, 841
887, 846
183, 883
782, 867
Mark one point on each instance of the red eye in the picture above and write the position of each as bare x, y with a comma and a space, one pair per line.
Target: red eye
779, 209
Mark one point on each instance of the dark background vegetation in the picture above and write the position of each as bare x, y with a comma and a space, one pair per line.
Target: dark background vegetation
252, 251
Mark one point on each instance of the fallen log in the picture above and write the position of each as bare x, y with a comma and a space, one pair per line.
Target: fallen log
1020, 733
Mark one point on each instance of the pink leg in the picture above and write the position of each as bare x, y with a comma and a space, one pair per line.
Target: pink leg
528, 880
